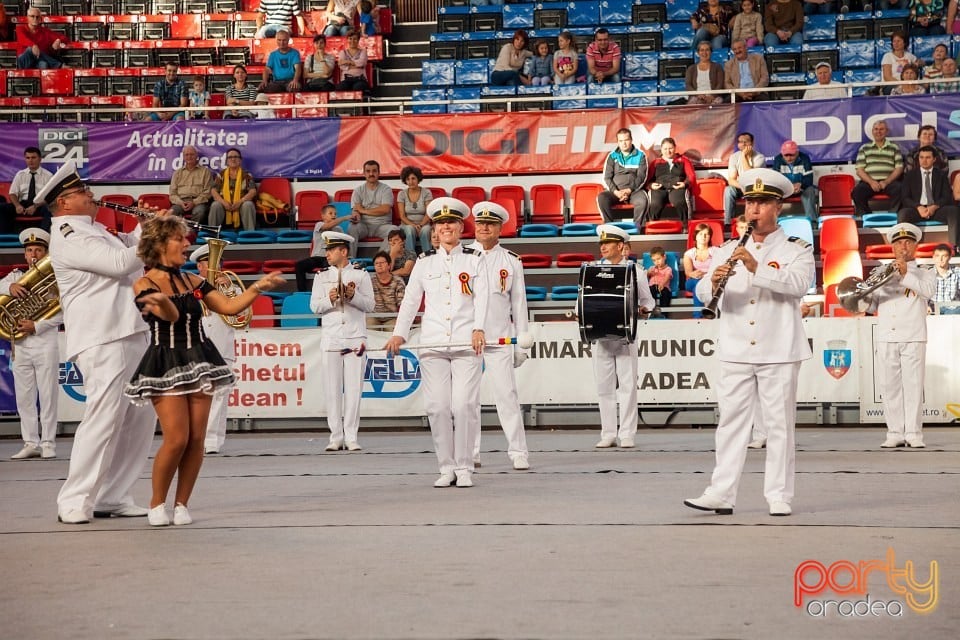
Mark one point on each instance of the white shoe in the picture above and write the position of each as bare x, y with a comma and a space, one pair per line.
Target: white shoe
780, 509
464, 478
210, 451
520, 463
759, 443
336, 445
892, 442
915, 443
606, 443
446, 479
627, 443
181, 515
28, 451
158, 516
710, 503
74, 516
48, 450
352, 446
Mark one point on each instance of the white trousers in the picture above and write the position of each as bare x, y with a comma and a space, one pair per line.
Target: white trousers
756, 392
217, 420
451, 391
36, 372
901, 386
342, 379
615, 369
113, 439
498, 363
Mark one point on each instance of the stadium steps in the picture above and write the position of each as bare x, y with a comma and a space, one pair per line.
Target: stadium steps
398, 74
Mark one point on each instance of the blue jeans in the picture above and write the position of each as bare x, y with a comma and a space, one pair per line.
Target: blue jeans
810, 197
409, 231
27, 60
730, 195
337, 29
773, 40
504, 78
702, 35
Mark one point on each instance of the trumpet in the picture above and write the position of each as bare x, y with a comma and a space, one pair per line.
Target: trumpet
711, 311
147, 214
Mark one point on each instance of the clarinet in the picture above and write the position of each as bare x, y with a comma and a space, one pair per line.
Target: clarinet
711, 311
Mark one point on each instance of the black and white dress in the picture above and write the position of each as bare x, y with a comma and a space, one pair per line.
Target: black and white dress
180, 359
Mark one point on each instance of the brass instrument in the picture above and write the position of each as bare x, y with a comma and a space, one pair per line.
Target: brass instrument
711, 311
147, 214
229, 290
43, 301
856, 295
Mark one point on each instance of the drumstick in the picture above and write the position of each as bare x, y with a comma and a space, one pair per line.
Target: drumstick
524, 341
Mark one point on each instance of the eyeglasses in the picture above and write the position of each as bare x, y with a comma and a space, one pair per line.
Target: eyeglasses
234, 157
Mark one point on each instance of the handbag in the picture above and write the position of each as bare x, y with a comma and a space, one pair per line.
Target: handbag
269, 205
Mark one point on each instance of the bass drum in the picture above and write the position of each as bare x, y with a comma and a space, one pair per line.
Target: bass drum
607, 302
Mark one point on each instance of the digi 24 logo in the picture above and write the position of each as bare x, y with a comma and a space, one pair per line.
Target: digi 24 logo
60, 144
71, 380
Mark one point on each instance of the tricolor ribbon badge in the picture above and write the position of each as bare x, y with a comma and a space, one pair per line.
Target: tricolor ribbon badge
773, 264
465, 284
503, 280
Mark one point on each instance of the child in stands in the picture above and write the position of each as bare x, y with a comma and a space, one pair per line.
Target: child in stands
660, 277
539, 66
199, 97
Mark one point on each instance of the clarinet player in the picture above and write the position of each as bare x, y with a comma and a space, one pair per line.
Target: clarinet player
761, 344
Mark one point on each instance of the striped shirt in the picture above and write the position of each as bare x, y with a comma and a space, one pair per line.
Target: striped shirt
279, 12
947, 286
879, 162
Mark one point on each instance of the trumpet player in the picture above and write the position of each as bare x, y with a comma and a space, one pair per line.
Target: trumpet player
342, 295
901, 307
761, 344
36, 360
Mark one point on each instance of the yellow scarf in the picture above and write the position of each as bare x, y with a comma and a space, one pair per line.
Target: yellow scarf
233, 217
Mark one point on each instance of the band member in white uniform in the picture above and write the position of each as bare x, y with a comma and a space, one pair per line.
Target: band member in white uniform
615, 360
342, 295
221, 335
506, 316
760, 345
452, 283
105, 336
901, 308
36, 360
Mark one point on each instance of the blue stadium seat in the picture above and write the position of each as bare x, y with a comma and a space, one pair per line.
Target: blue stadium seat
578, 229
10, 240
538, 230
626, 225
616, 12
437, 73
583, 14
640, 66
564, 292
720, 56
469, 95
259, 236
674, 84
472, 72
567, 90
673, 261
518, 16
858, 53
923, 46
292, 236
646, 87
678, 10
677, 35
862, 75
605, 89
366, 263
296, 304
229, 236
429, 95
820, 27
536, 294
797, 226
879, 219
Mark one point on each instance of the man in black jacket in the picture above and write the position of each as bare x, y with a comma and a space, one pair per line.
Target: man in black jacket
927, 195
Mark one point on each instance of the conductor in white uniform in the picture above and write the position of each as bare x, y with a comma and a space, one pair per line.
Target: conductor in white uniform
106, 337
342, 295
451, 281
760, 345
506, 316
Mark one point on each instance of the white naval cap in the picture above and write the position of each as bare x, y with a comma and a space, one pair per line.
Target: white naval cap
333, 239
904, 230
33, 235
445, 209
64, 179
487, 211
612, 233
765, 183
201, 253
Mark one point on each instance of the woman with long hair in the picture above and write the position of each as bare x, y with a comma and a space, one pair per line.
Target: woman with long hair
696, 261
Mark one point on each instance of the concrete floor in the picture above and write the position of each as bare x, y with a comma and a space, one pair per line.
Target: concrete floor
291, 542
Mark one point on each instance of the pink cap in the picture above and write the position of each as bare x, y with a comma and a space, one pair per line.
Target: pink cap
789, 147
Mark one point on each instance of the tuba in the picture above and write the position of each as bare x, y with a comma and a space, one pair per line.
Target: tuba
242, 319
856, 295
42, 302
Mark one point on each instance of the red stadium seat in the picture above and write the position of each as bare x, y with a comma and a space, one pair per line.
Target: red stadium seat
437, 192
583, 202
310, 206
111, 218
835, 191
536, 260
708, 204
663, 227
56, 82
513, 192
283, 266
509, 228
716, 239
277, 187
469, 194
242, 267
158, 200
925, 249
263, 306
880, 251
313, 99
839, 233
185, 26
574, 259
831, 303
547, 204
839, 264
343, 195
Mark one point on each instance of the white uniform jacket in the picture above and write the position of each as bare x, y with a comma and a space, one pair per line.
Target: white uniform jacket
508, 292
901, 305
760, 320
346, 319
644, 297
95, 273
46, 330
456, 291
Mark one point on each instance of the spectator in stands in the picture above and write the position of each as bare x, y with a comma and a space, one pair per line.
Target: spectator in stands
926, 137
746, 25
233, 195
603, 58
340, 15
26, 184
826, 88
743, 160
927, 196
671, 177
319, 67
353, 65
412, 209
796, 165
371, 205
660, 278
934, 70
783, 22
696, 261
401, 260
283, 68
896, 59
812, 7
925, 18
37, 46
953, 24
240, 94
705, 75
887, 5
368, 23
274, 15
539, 66
909, 86
190, 187
509, 65
198, 97
259, 112
624, 173
711, 23
746, 71
879, 167
566, 60
948, 82
948, 278
169, 92
388, 290
318, 248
